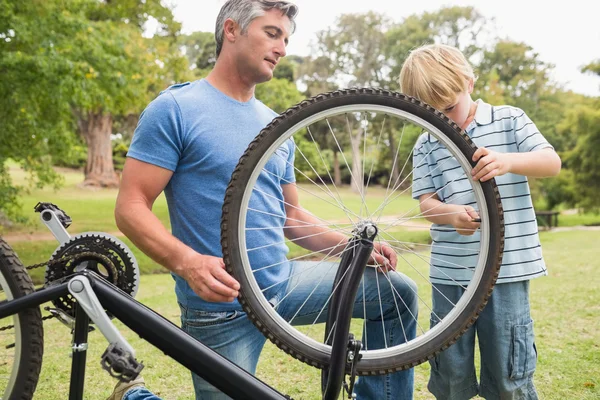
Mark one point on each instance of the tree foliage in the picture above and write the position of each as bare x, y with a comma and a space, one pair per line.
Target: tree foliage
67, 65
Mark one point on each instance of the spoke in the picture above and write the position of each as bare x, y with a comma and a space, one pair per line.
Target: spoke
299, 238
394, 297
328, 173
362, 175
285, 217
394, 163
408, 250
380, 309
433, 208
295, 208
341, 206
398, 222
268, 228
419, 272
331, 295
344, 157
327, 257
355, 149
339, 202
417, 294
295, 258
423, 244
376, 146
387, 200
405, 190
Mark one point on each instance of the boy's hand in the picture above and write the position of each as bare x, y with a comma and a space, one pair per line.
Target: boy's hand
489, 164
464, 220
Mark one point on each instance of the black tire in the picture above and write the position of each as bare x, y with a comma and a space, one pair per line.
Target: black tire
233, 207
29, 346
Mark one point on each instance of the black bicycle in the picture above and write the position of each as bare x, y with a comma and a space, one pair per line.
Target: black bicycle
351, 176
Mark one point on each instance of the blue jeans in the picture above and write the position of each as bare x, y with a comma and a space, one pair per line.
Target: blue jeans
232, 335
506, 345
140, 393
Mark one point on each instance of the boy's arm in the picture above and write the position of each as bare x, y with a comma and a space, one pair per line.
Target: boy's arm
459, 216
540, 163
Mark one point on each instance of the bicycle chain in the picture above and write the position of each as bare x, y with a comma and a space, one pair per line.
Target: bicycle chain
50, 263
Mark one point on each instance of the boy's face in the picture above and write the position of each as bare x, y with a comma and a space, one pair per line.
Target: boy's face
460, 109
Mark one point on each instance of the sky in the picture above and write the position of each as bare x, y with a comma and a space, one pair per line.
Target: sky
566, 34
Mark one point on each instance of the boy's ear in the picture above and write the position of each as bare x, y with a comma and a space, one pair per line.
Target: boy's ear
471, 85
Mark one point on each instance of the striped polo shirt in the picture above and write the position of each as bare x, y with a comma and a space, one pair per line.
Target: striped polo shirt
453, 256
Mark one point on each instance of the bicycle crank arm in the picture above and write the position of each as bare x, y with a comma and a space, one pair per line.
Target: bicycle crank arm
81, 289
52, 221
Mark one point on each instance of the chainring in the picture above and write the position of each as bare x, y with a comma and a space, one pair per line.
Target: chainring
116, 264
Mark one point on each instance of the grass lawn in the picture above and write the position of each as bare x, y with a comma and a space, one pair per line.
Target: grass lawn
565, 307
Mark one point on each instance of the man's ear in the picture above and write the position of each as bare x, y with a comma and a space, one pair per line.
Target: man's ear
230, 30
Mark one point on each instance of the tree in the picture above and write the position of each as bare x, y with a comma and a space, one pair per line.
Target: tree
456, 26
200, 48
583, 125
351, 53
74, 66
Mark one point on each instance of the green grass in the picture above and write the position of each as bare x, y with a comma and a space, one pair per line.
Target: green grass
90, 210
565, 307
587, 219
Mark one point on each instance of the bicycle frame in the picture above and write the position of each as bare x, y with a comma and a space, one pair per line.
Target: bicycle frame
155, 329
180, 346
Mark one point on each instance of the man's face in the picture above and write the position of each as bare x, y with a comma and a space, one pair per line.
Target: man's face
263, 45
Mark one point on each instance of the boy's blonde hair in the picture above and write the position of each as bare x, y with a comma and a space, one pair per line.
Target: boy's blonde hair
436, 74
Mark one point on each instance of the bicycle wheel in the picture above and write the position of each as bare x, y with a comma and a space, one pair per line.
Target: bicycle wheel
372, 134
22, 345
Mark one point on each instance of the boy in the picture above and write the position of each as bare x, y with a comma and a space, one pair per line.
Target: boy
510, 148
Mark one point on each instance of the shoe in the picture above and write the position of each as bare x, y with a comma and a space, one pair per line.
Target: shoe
123, 387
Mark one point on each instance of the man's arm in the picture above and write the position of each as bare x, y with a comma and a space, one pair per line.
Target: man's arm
141, 184
306, 230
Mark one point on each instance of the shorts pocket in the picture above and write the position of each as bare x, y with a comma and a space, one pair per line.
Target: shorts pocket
524, 353
198, 318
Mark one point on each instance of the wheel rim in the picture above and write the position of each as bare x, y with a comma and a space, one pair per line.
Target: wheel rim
5, 288
425, 336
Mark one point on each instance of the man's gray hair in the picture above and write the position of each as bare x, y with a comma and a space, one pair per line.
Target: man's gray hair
245, 11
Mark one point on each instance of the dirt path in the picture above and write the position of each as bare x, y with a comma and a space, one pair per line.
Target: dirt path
12, 237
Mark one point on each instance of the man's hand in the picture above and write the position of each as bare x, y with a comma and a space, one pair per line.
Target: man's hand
489, 164
207, 277
383, 256
465, 220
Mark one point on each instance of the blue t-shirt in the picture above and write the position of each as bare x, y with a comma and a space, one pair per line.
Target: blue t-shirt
199, 133
453, 256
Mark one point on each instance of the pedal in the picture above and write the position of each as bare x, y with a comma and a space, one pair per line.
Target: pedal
120, 364
62, 216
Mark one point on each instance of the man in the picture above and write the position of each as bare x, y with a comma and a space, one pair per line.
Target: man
187, 143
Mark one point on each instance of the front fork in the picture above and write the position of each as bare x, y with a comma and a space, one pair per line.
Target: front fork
345, 350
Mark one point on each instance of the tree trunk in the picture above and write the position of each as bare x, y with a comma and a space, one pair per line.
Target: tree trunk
96, 129
394, 151
357, 183
337, 174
